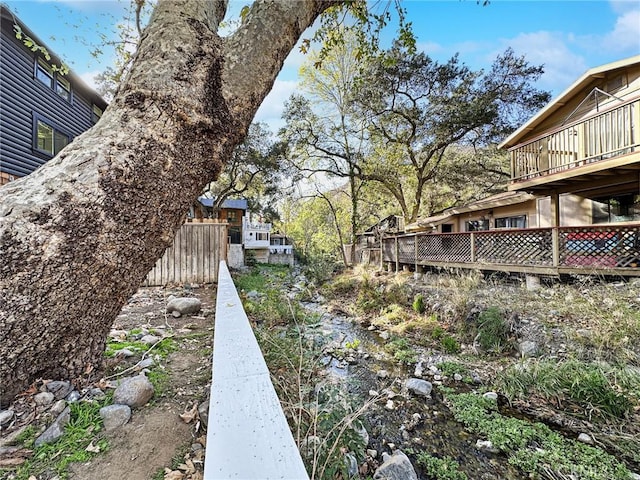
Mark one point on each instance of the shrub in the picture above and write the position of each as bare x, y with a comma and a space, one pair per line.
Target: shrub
492, 330
450, 344
418, 304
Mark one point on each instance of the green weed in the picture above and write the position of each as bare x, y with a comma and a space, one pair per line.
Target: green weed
440, 468
401, 351
533, 447
450, 344
53, 459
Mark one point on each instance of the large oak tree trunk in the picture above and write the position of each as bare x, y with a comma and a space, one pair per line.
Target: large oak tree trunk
78, 236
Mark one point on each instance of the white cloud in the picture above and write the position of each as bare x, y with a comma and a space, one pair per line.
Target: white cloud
561, 65
623, 6
90, 78
625, 35
272, 106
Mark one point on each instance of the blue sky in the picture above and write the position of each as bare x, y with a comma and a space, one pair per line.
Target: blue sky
568, 36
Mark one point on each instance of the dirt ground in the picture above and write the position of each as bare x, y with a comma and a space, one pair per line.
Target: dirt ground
156, 437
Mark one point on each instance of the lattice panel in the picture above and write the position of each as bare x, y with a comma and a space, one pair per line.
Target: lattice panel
514, 247
600, 247
407, 249
448, 247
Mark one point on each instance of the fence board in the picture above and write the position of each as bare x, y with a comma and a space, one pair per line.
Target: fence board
193, 257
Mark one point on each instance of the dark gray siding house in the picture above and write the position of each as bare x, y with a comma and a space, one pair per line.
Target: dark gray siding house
41, 110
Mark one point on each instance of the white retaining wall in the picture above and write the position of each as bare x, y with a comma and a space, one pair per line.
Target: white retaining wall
248, 436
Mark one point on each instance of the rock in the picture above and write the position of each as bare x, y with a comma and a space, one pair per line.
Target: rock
397, 467
6, 416
362, 433
418, 386
373, 393
433, 369
419, 370
372, 453
486, 446
59, 388
150, 339
457, 377
118, 334
389, 405
184, 305
146, 363
382, 374
585, 438
58, 407
384, 335
203, 412
44, 398
55, 430
352, 464
253, 294
320, 299
635, 476
491, 396
528, 348
584, 333
176, 314
123, 353
73, 396
114, 416
134, 392
96, 394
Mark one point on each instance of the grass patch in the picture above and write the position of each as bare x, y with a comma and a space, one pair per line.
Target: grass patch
53, 459
533, 447
593, 389
159, 378
162, 348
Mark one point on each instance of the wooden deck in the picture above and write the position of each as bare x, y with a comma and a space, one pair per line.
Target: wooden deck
589, 250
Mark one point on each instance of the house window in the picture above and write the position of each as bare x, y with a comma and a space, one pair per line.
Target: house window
477, 225
63, 87
96, 114
519, 221
262, 236
44, 73
231, 216
48, 139
617, 208
55, 81
447, 227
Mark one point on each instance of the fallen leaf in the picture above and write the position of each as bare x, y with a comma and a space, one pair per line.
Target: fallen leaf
191, 414
93, 448
173, 475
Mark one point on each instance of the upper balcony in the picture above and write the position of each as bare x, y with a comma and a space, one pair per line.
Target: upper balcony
580, 154
256, 234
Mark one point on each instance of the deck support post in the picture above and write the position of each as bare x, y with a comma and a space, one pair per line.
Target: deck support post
555, 223
473, 247
397, 256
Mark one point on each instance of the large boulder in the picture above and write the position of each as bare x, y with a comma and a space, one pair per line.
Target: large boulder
134, 392
184, 305
396, 467
417, 386
114, 416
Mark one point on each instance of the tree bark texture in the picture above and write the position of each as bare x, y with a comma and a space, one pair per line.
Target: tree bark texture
78, 236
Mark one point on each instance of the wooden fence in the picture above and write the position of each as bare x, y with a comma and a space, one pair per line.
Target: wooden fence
194, 256
606, 249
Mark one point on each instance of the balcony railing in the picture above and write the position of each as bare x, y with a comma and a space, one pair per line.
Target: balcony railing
603, 248
607, 135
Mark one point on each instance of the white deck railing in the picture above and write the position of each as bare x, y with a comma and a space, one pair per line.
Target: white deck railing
248, 436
